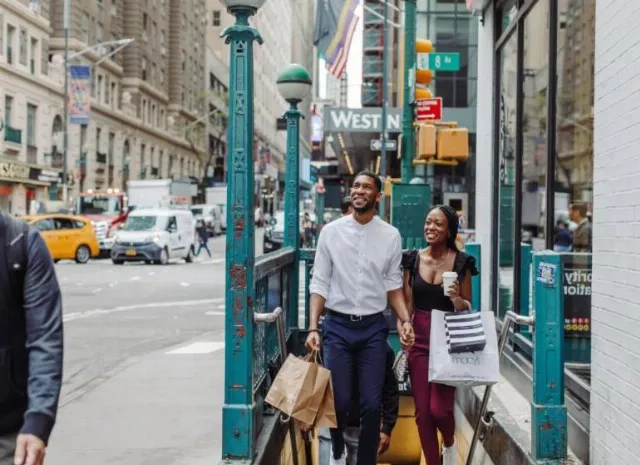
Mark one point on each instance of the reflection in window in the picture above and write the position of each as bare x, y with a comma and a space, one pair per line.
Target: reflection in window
534, 126
574, 133
506, 154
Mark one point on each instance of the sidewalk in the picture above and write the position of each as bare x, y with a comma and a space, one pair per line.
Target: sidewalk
160, 409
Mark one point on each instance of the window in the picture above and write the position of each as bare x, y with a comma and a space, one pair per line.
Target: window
33, 55
99, 33
11, 32
98, 136
44, 225
143, 66
8, 109
106, 90
99, 89
216, 18
84, 29
145, 25
114, 8
32, 111
1, 34
23, 46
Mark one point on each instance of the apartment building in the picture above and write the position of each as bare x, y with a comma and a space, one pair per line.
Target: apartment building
147, 103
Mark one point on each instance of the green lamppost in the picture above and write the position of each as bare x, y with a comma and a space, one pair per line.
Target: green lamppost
293, 84
408, 133
238, 432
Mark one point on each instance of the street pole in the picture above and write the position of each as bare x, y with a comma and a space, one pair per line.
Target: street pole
238, 412
382, 211
65, 142
408, 134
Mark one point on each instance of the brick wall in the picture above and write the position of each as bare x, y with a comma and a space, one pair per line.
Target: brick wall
615, 410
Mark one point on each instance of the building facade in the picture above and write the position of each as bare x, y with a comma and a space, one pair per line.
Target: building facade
145, 101
217, 91
535, 172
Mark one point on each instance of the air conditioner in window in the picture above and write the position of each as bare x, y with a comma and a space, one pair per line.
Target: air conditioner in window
34, 5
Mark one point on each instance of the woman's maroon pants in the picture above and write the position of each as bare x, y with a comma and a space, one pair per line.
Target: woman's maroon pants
434, 402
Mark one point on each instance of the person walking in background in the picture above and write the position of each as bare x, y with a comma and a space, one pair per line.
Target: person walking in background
356, 274
345, 206
582, 234
390, 408
31, 344
423, 287
562, 241
203, 237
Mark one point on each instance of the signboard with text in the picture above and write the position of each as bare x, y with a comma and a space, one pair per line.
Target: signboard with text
361, 119
429, 109
79, 94
576, 269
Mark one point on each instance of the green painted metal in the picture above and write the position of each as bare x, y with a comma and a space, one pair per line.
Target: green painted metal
291, 195
319, 213
12, 135
473, 249
382, 208
525, 285
548, 409
409, 205
408, 133
238, 411
444, 61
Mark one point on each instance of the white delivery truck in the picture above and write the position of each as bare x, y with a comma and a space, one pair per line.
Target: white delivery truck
154, 193
218, 196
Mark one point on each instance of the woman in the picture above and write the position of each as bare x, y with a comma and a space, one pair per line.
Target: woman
424, 292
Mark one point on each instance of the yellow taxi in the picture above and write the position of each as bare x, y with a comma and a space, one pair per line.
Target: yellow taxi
67, 236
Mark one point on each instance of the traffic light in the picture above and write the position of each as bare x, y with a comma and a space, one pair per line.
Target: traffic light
453, 144
423, 76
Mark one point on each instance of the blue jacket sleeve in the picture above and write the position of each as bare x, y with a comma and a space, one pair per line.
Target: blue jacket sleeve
43, 315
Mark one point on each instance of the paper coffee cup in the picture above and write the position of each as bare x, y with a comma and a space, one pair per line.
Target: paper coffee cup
448, 279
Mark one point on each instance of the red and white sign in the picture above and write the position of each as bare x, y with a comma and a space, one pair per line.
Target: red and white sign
429, 109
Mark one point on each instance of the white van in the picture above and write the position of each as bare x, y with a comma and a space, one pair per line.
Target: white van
155, 236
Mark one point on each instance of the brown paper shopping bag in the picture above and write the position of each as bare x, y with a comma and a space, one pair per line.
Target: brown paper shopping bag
327, 413
297, 389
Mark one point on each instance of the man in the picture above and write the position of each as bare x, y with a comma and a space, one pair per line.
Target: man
356, 273
390, 407
582, 233
30, 344
345, 206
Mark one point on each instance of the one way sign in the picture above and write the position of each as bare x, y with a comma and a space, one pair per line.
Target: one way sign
376, 145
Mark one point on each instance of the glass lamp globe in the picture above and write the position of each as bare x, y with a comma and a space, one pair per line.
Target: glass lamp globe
294, 83
251, 4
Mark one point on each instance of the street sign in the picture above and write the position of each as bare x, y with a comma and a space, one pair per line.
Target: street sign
376, 145
439, 61
444, 61
429, 109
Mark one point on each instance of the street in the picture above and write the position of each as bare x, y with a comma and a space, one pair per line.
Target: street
144, 362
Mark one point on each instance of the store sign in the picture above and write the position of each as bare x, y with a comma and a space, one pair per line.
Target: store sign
13, 170
361, 119
577, 294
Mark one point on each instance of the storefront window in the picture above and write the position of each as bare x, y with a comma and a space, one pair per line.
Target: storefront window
574, 130
507, 180
507, 14
534, 125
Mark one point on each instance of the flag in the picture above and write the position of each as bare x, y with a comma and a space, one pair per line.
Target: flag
334, 21
79, 94
340, 64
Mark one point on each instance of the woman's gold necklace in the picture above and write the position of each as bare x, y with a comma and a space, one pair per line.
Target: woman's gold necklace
442, 262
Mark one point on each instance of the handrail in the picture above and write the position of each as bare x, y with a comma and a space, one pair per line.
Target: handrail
485, 419
277, 316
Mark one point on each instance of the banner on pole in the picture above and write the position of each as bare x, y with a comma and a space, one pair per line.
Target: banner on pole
79, 94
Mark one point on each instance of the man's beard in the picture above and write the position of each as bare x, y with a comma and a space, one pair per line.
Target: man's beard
370, 205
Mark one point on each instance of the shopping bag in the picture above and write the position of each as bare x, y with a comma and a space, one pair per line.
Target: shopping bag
465, 332
327, 413
299, 388
466, 368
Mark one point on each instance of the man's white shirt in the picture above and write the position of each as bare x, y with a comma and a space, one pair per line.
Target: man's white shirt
356, 265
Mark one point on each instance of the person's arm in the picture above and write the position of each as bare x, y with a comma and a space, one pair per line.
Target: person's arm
319, 286
393, 281
43, 315
463, 299
390, 398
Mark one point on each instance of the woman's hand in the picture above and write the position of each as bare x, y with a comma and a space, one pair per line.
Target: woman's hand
407, 337
454, 291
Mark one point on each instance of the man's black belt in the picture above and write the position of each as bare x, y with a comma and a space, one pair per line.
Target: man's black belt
349, 317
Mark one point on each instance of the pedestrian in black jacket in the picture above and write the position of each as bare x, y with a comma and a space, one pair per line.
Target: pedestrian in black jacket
31, 344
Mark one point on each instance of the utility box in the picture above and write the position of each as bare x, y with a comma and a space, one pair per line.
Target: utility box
453, 144
426, 141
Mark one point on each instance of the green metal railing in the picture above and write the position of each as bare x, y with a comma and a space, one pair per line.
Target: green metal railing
12, 135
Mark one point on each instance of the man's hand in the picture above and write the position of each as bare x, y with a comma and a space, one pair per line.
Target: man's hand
30, 450
407, 336
384, 443
313, 340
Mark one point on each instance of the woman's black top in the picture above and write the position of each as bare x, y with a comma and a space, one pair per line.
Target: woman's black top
428, 296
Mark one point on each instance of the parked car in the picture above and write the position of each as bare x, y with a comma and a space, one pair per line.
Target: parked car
155, 236
274, 233
68, 237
